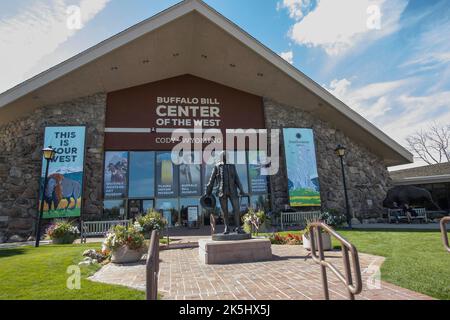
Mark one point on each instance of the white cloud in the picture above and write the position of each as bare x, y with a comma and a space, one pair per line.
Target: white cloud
371, 100
391, 106
297, 8
337, 26
431, 53
288, 56
37, 31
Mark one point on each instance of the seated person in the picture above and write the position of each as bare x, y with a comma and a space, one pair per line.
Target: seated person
409, 212
396, 213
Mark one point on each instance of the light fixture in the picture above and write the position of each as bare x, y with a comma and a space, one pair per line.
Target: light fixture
49, 153
260, 74
340, 150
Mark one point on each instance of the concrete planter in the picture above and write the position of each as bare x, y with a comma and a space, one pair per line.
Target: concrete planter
125, 255
326, 242
67, 239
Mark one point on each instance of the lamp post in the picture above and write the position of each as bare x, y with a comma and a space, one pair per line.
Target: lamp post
49, 154
340, 151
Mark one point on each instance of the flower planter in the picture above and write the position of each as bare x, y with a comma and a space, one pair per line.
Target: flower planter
125, 255
326, 242
67, 239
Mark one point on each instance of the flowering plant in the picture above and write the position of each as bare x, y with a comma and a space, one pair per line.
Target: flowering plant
289, 239
332, 218
151, 221
61, 229
253, 219
121, 236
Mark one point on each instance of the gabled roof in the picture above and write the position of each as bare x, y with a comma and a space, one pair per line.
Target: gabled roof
192, 38
435, 173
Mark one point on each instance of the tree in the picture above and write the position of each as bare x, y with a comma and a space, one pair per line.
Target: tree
431, 145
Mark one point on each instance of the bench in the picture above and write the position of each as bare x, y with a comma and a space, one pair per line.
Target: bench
100, 228
299, 218
421, 215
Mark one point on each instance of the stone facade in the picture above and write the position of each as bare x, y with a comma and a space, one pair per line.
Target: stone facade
20, 161
367, 178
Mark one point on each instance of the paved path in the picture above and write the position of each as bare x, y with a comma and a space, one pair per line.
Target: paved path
291, 275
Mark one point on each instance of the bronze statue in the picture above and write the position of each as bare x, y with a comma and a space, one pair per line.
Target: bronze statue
226, 177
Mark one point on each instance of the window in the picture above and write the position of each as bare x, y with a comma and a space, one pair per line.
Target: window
260, 202
113, 209
241, 168
169, 209
142, 175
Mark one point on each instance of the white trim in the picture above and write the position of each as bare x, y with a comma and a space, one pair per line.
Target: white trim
422, 180
190, 130
171, 14
128, 130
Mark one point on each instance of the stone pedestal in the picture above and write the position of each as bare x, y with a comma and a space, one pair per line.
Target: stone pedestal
224, 252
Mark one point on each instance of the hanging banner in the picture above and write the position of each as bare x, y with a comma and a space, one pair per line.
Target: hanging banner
303, 178
190, 177
257, 172
64, 190
166, 176
116, 172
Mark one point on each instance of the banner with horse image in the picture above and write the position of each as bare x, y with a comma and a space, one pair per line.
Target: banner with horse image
116, 174
64, 190
303, 178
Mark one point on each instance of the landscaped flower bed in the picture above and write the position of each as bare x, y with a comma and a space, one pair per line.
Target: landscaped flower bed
289, 239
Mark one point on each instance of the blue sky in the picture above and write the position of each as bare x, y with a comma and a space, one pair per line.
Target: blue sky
393, 68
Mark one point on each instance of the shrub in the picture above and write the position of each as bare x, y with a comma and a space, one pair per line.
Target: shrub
333, 218
121, 236
61, 229
151, 221
253, 219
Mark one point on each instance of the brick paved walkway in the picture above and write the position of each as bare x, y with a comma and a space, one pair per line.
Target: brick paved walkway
290, 275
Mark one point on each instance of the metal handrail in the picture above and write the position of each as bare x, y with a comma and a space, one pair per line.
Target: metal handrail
443, 223
152, 267
353, 288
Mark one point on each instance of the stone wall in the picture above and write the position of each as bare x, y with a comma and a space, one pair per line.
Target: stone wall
20, 162
367, 177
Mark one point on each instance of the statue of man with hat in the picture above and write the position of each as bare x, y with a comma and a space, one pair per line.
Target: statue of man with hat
225, 176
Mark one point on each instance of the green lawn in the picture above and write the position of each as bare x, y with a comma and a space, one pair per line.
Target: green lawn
415, 260
40, 273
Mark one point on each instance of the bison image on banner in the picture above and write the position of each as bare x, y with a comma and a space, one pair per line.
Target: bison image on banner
116, 172
64, 190
303, 178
